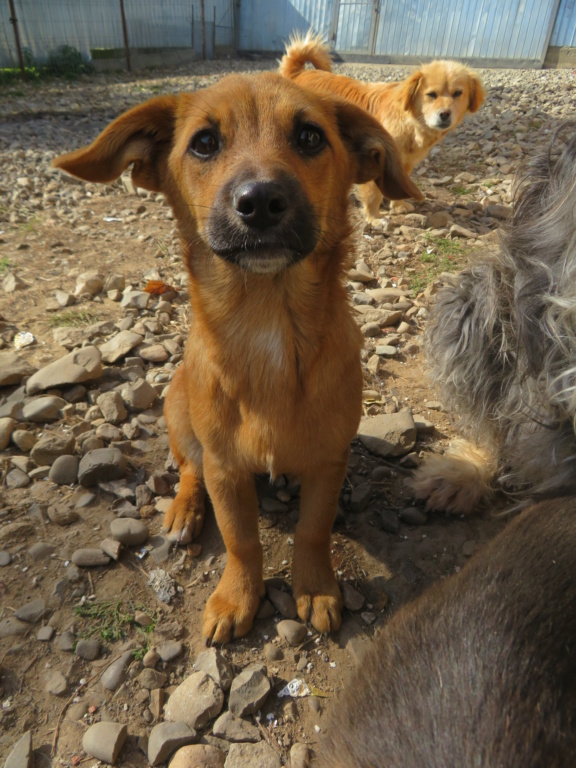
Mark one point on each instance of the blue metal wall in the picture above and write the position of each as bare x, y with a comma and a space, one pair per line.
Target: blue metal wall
564, 32
266, 25
474, 29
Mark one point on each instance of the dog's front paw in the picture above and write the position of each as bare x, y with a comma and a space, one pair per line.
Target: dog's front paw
320, 605
183, 521
230, 611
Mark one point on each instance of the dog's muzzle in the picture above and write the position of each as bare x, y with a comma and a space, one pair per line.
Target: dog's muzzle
262, 225
444, 120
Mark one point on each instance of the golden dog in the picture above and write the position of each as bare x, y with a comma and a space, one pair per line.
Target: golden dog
258, 171
417, 112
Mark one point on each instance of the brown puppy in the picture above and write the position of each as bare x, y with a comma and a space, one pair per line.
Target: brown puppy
258, 171
478, 671
417, 112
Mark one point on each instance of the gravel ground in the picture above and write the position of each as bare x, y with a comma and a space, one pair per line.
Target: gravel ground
99, 617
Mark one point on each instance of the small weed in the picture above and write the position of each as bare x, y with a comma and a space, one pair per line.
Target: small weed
76, 319
111, 621
461, 190
66, 61
4, 265
489, 184
441, 255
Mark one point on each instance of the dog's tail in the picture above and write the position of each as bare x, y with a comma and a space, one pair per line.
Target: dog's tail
311, 48
458, 481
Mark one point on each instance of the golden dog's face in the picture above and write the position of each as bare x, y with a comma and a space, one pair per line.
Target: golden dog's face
440, 94
256, 167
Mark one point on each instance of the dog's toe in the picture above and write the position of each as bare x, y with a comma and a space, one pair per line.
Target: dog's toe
322, 611
229, 613
181, 524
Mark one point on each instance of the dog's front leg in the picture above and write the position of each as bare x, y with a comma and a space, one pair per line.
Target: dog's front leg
315, 588
232, 606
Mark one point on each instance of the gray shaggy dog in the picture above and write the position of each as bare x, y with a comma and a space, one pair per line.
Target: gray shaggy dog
501, 344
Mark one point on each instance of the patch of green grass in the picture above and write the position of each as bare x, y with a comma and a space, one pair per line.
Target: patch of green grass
65, 61
4, 265
441, 255
75, 318
111, 621
461, 190
489, 184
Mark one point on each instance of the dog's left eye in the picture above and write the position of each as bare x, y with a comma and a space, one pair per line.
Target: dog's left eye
205, 143
310, 139
456, 94
432, 95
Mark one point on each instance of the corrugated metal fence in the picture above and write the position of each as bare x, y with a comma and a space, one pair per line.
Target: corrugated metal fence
490, 32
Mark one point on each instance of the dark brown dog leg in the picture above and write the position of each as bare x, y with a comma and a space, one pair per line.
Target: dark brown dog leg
232, 606
315, 588
183, 520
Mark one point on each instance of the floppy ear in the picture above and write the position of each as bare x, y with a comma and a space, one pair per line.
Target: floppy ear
374, 152
410, 89
477, 93
142, 136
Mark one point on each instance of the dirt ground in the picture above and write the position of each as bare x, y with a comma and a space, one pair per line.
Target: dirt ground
69, 231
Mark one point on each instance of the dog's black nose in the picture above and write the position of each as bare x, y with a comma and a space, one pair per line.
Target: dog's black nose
260, 204
445, 116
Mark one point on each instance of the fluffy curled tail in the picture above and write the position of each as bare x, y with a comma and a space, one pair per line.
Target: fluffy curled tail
458, 482
311, 48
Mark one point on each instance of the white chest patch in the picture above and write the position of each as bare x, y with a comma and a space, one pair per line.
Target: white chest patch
268, 343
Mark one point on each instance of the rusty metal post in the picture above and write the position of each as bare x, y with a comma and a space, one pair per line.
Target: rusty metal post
14, 22
125, 31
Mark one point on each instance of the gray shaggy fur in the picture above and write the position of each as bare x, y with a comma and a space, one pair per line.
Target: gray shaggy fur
502, 339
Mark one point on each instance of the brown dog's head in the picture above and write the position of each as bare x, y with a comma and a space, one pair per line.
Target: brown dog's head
441, 93
256, 168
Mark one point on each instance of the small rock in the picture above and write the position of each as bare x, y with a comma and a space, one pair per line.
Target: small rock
5, 559
273, 652
249, 690
166, 738
299, 756
151, 679
6, 429
64, 470
43, 409
360, 497
111, 547
128, 531
88, 649
16, 478
259, 755
62, 515
32, 611
13, 369
195, 701
50, 446
24, 440
112, 407
138, 395
135, 299
104, 741
353, 600
388, 434
88, 282
214, 664
150, 659
171, 650
100, 465
389, 521
413, 516
155, 353
232, 728
119, 346
78, 366
457, 231
11, 627
57, 684
12, 283
113, 677
45, 634
21, 755
89, 558
283, 602
198, 756
291, 631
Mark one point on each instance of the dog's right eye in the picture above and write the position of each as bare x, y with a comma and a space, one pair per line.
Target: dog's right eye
432, 95
205, 143
310, 139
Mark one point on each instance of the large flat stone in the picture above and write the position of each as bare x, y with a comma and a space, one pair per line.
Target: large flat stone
81, 365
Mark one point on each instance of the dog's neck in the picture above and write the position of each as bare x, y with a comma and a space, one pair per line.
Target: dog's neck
272, 325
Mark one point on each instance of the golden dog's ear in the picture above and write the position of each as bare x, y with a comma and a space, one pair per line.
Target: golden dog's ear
374, 153
477, 93
142, 136
410, 90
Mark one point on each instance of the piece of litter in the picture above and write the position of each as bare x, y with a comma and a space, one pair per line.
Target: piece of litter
23, 339
296, 689
111, 218
163, 584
